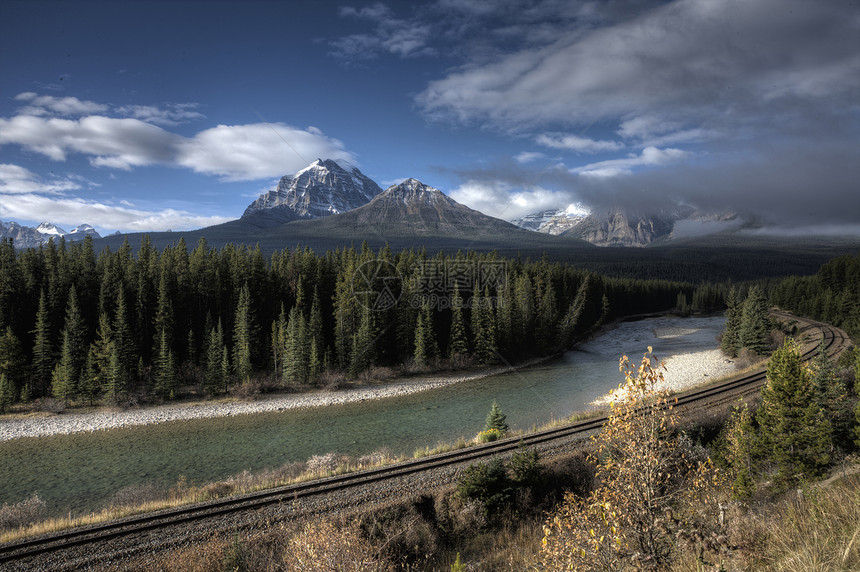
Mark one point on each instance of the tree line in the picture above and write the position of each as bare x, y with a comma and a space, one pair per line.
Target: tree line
77, 325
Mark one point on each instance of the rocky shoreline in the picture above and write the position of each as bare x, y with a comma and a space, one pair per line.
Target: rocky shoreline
42, 425
682, 371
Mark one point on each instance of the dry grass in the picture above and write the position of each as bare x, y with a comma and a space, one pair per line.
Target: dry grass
819, 530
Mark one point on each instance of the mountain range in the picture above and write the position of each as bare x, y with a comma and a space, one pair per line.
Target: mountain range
29, 237
327, 206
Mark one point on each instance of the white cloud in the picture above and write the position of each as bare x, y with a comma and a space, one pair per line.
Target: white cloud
171, 114
118, 143
15, 180
501, 200
576, 143
74, 211
257, 151
403, 37
233, 152
650, 156
528, 157
48, 104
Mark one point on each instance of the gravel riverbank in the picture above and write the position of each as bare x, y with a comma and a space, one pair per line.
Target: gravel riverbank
686, 370
40, 425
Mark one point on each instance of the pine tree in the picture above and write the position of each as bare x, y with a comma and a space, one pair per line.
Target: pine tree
122, 359
165, 368
730, 343
832, 396
296, 367
75, 335
99, 359
315, 335
755, 326
547, 318
363, 354
483, 333
12, 361
496, 419
457, 344
7, 392
215, 381
792, 424
243, 328
279, 341
43, 349
62, 379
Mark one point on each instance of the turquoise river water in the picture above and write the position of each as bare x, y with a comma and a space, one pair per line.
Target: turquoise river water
81, 472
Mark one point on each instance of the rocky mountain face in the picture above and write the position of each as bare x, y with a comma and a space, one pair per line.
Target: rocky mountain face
413, 208
625, 227
554, 221
29, 237
321, 189
616, 227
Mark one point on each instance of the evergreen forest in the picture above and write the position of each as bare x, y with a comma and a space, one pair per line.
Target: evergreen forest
131, 326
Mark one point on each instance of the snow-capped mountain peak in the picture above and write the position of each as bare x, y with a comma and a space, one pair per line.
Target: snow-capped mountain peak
554, 221
51, 229
323, 188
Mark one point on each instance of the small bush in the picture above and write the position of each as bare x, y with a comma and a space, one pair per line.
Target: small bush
489, 435
486, 483
22, 513
327, 463
249, 389
134, 495
332, 380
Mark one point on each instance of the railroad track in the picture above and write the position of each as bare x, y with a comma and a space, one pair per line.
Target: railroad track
835, 341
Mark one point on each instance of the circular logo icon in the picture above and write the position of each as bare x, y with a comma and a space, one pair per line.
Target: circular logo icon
377, 285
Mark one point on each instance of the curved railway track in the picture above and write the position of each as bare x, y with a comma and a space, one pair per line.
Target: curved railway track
835, 341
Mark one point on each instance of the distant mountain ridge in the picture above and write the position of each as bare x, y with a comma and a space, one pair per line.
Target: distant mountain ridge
553, 221
629, 227
321, 189
29, 237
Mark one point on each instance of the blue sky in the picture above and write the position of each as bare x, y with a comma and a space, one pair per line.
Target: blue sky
160, 115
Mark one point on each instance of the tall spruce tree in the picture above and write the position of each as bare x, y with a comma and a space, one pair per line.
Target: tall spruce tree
483, 332
63, 378
7, 392
426, 347
832, 396
363, 355
755, 325
457, 340
215, 381
731, 339
243, 328
296, 363
792, 424
75, 335
43, 349
165, 368
13, 364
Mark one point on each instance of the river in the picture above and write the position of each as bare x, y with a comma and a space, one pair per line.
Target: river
80, 472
